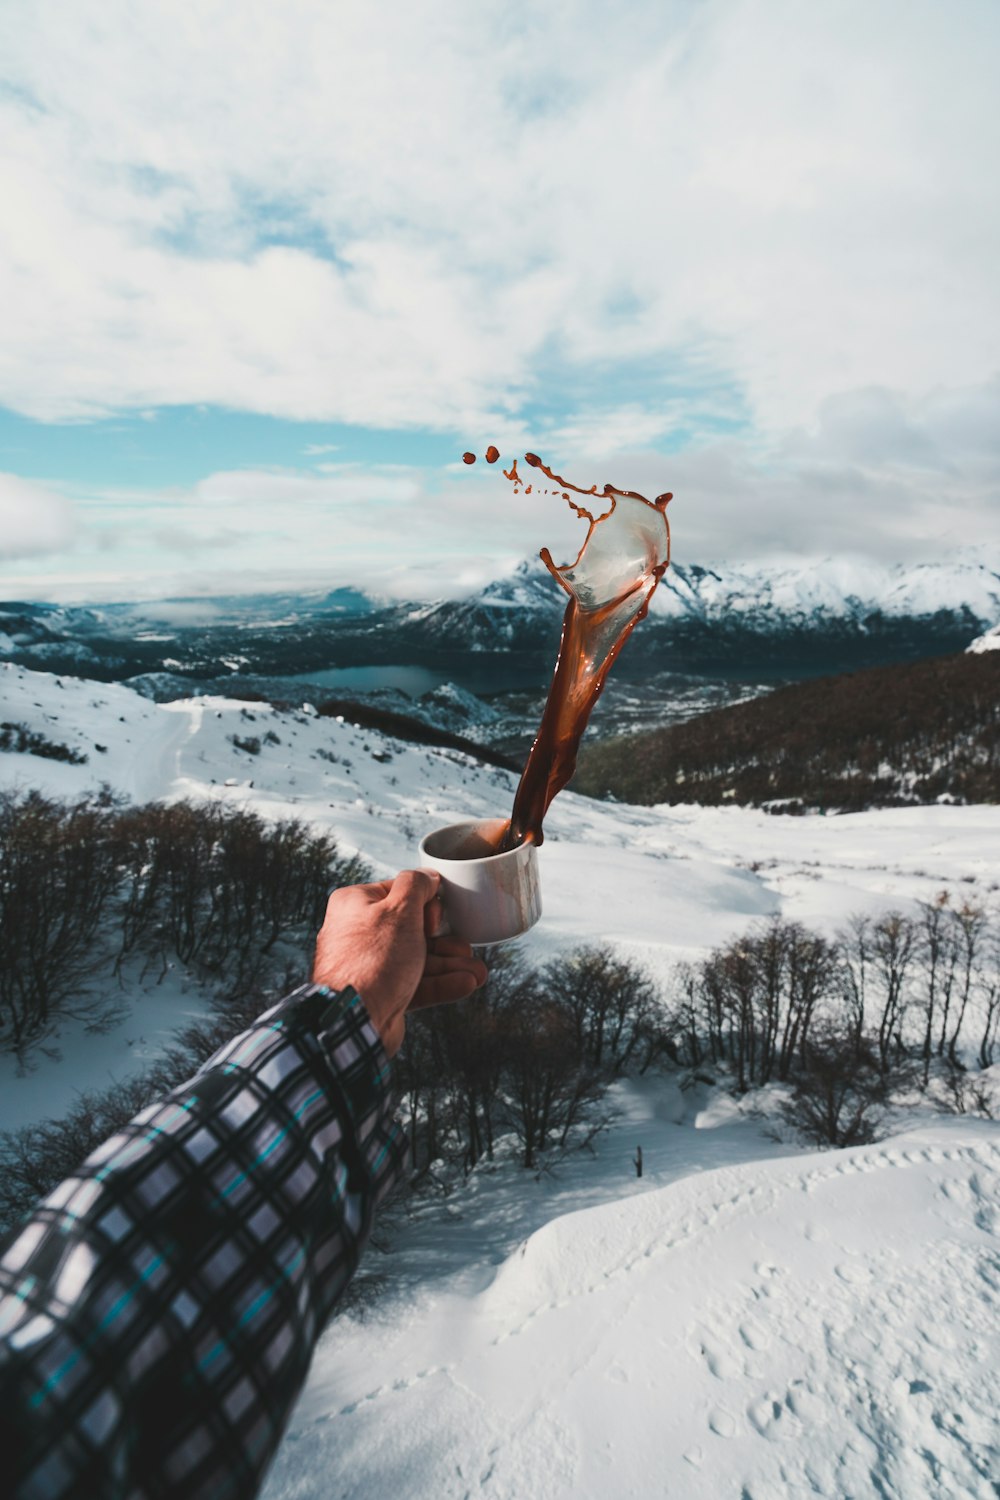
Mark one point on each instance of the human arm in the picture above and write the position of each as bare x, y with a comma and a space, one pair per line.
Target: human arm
159, 1311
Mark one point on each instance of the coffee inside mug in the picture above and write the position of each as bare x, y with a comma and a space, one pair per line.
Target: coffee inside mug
466, 840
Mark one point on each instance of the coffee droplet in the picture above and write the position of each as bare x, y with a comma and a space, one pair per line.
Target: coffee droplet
468, 458
492, 454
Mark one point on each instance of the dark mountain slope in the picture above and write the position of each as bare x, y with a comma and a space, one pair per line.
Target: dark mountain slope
885, 737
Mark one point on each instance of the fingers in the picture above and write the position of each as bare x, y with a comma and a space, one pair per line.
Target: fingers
433, 918
449, 976
444, 989
449, 953
346, 897
407, 889
450, 947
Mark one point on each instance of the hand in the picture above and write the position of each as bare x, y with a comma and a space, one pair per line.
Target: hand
381, 938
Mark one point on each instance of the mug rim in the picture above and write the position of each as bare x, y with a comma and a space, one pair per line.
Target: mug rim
468, 824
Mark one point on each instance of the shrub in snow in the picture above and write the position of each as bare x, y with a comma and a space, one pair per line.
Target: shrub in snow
838, 1096
250, 745
847, 1024
21, 740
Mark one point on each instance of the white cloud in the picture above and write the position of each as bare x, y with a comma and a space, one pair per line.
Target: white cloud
407, 215
33, 520
874, 476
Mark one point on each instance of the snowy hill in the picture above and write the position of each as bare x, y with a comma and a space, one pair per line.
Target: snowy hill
749, 1318
883, 737
824, 1325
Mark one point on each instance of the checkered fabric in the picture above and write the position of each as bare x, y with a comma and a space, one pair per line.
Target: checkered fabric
159, 1311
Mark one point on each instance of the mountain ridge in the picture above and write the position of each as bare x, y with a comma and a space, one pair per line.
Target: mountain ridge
748, 622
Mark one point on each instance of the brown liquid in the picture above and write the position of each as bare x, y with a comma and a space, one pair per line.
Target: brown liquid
624, 555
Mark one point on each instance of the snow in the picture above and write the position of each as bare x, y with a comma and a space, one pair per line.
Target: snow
831, 588
77, 1059
820, 1325
988, 641
748, 1319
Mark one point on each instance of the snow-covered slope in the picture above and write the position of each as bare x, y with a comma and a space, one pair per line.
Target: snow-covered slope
818, 1326
829, 589
988, 641
746, 1320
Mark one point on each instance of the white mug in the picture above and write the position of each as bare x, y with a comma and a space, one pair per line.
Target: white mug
487, 897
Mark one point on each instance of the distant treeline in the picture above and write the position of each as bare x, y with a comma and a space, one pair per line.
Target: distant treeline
405, 727
887, 737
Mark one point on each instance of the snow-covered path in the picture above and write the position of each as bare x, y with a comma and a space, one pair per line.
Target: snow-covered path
825, 1325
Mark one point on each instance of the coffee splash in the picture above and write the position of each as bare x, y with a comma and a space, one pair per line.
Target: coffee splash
624, 555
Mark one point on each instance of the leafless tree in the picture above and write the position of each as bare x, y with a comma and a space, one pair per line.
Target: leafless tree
970, 925
937, 953
892, 957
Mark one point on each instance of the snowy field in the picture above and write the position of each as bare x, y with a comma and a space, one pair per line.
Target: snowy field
748, 1319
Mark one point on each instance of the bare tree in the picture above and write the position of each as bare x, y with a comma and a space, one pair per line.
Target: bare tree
892, 958
937, 952
811, 969
970, 924
57, 871
854, 958
611, 1001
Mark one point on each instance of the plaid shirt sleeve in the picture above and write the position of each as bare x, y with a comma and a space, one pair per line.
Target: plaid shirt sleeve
160, 1308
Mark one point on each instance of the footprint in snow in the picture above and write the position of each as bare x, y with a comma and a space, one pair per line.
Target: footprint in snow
720, 1362
722, 1422
754, 1335
854, 1273
765, 1416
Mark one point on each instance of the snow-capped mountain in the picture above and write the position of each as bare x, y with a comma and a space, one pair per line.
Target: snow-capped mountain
511, 613
754, 597
797, 619
831, 589
748, 622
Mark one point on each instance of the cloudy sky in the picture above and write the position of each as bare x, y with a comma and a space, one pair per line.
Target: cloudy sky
267, 269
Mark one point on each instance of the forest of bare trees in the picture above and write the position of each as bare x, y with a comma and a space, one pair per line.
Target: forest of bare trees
532, 1054
887, 1004
93, 893
89, 886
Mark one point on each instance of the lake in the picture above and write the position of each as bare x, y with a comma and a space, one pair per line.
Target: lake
413, 681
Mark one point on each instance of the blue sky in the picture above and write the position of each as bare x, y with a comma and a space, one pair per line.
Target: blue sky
263, 284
